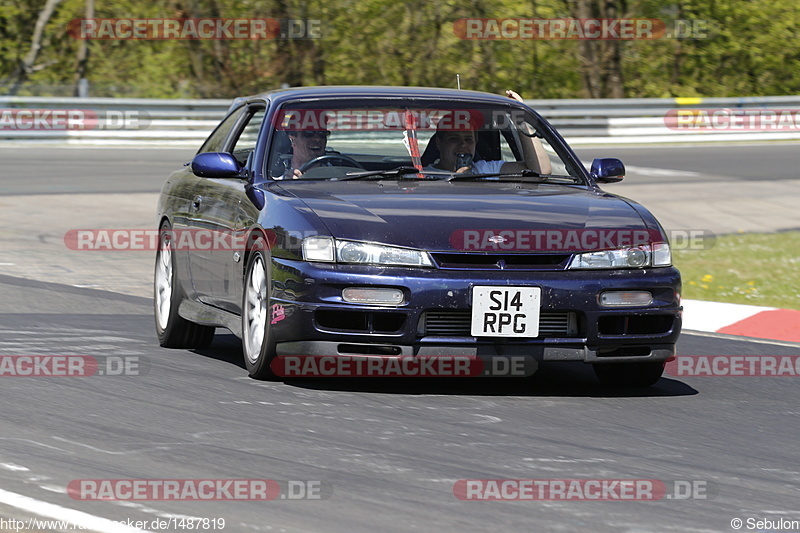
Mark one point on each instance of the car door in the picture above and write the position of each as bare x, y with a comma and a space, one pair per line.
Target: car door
227, 258
201, 218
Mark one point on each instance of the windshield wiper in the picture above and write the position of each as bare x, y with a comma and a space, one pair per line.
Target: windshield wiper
399, 172
523, 176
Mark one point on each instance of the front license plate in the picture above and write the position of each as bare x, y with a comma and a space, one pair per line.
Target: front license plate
505, 311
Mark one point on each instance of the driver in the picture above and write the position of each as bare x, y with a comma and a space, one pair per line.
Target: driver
306, 145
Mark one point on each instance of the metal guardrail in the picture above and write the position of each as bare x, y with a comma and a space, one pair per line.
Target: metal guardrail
642, 120
117, 121
582, 121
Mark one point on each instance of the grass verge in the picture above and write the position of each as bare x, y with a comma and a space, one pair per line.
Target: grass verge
748, 268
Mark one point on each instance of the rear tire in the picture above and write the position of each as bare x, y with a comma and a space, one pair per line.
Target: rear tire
258, 343
173, 331
629, 374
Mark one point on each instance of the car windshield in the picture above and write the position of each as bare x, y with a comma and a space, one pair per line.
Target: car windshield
416, 138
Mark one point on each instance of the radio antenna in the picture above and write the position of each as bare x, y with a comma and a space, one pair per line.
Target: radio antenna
458, 81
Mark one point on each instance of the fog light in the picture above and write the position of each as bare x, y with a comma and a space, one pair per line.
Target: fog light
370, 295
625, 298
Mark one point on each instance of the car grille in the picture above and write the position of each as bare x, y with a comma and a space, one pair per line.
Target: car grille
481, 261
456, 323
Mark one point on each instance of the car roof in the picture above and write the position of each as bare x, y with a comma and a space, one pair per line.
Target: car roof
370, 91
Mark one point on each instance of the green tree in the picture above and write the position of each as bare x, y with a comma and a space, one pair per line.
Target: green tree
751, 48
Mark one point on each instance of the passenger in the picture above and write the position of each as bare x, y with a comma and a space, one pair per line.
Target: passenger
454, 144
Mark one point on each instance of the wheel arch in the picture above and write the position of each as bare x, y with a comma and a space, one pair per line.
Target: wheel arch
253, 234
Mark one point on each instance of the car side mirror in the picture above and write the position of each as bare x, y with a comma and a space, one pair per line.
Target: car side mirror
607, 170
216, 165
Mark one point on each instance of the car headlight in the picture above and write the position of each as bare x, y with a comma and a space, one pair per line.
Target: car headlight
362, 253
657, 255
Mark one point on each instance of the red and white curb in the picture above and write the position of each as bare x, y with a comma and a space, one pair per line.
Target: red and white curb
743, 320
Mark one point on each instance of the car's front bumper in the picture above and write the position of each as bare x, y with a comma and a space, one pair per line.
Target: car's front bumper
303, 293
537, 352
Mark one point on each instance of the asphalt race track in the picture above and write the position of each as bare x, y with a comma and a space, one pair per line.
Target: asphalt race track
376, 455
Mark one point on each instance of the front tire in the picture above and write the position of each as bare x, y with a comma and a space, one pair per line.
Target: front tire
257, 341
629, 374
173, 330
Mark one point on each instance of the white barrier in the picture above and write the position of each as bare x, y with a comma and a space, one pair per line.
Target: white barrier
582, 121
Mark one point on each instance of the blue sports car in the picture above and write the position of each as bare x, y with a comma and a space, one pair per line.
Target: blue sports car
419, 225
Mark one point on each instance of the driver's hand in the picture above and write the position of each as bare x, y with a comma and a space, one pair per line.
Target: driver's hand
462, 170
296, 174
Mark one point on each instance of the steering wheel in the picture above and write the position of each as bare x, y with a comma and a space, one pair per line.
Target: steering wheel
348, 161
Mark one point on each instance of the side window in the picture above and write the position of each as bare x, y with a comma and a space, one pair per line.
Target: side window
556, 164
512, 149
216, 141
246, 143
506, 153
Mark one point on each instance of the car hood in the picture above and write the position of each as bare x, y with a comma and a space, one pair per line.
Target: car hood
440, 215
